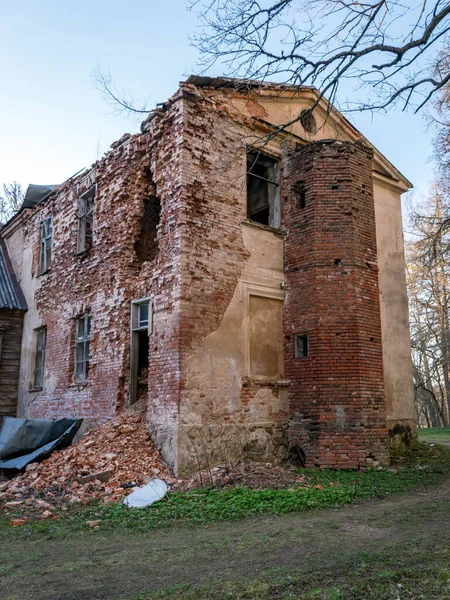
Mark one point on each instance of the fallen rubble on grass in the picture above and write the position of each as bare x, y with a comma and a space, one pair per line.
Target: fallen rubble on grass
106, 464
252, 475
112, 461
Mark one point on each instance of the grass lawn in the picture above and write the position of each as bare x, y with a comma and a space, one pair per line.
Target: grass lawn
403, 572
435, 435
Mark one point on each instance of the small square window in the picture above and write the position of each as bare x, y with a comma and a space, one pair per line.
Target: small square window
300, 194
301, 346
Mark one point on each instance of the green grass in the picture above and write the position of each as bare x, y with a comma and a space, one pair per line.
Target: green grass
422, 467
435, 434
400, 573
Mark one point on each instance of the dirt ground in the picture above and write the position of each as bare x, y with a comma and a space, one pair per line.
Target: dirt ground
99, 566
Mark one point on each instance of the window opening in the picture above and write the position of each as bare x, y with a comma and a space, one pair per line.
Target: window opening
308, 121
301, 346
300, 194
39, 364
86, 205
263, 198
45, 250
82, 348
141, 323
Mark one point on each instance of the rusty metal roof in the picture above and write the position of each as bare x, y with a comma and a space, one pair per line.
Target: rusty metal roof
11, 295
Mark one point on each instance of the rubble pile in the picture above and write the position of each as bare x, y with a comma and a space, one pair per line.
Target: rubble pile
106, 464
247, 473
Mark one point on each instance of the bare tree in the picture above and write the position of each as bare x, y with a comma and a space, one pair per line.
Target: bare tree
390, 48
428, 270
10, 200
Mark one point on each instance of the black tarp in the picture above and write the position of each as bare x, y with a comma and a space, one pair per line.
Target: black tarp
23, 441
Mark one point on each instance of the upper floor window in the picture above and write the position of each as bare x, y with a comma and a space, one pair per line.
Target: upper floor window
39, 363
263, 194
45, 247
82, 348
86, 220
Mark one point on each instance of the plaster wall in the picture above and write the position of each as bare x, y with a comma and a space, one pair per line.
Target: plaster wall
232, 407
396, 341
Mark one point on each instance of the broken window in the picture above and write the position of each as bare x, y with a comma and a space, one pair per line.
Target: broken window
82, 348
141, 326
86, 205
45, 248
39, 364
263, 197
146, 244
301, 346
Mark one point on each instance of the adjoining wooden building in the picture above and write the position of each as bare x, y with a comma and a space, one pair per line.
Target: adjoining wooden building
12, 310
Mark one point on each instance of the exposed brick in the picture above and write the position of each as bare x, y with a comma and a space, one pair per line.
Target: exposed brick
337, 406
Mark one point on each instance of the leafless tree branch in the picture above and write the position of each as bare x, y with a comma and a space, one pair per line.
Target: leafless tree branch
390, 46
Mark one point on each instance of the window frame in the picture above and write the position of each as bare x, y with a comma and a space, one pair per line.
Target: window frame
273, 186
135, 322
305, 351
83, 342
40, 353
45, 244
85, 218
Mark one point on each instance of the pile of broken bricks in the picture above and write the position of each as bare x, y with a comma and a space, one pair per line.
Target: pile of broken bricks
107, 464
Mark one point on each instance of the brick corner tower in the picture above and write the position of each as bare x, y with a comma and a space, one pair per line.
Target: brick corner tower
332, 328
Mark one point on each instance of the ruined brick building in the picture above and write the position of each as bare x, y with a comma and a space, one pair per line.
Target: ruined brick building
248, 281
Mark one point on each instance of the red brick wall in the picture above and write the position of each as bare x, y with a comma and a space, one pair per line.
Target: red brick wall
337, 406
109, 276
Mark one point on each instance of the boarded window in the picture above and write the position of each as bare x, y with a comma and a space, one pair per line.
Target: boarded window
266, 337
45, 249
39, 364
263, 197
146, 244
86, 205
82, 348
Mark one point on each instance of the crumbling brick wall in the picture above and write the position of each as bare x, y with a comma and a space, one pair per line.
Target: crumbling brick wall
98, 280
337, 405
105, 279
223, 413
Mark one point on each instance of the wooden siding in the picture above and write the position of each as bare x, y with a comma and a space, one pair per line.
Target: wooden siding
11, 322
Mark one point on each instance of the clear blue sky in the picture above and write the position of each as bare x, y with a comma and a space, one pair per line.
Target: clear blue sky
53, 121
